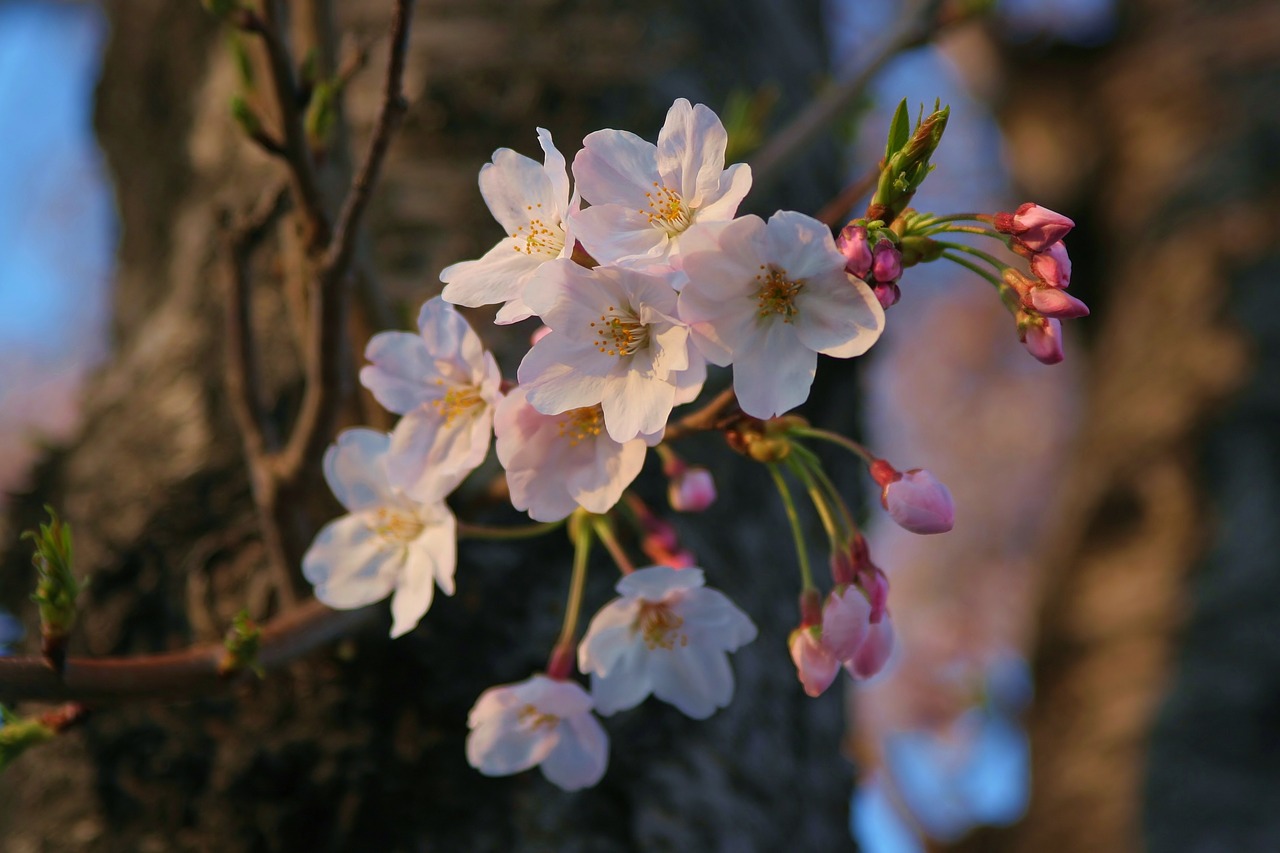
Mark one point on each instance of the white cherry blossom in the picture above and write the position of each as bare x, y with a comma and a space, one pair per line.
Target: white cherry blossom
557, 463
667, 635
768, 297
532, 203
645, 196
615, 340
445, 385
538, 722
388, 544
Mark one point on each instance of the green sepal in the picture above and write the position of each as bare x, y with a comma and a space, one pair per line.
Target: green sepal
56, 587
899, 131
243, 642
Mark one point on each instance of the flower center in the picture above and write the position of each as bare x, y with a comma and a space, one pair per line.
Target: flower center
667, 210
539, 237
531, 718
397, 525
579, 425
619, 335
659, 627
457, 401
777, 293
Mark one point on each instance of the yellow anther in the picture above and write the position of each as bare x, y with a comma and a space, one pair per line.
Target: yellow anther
777, 293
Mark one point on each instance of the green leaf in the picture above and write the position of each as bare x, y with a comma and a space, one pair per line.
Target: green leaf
899, 130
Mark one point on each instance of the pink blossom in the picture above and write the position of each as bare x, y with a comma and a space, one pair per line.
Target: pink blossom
1053, 265
853, 244
816, 666
1033, 226
919, 502
887, 294
1043, 339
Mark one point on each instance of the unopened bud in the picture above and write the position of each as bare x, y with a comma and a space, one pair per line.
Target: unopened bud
816, 666
1053, 265
853, 244
875, 650
919, 502
1043, 340
845, 620
1052, 302
1033, 226
692, 490
887, 295
887, 266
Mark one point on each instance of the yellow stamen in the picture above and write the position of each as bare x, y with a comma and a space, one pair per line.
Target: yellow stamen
578, 425
397, 525
457, 401
531, 718
777, 293
619, 335
539, 238
667, 210
659, 627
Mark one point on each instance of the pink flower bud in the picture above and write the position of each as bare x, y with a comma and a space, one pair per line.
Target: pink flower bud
875, 650
1053, 265
887, 266
852, 243
816, 667
845, 620
692, 490
919, 502
1052, 302
887, 294
1033, 226
1044, 341
875, 584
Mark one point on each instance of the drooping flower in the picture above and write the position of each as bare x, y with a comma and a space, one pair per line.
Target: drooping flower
846, 618
539, 722
445, 385
557, 463
669, 635
768, 297
874, 651
388, 544
644, 197
615, 341
1043, 339
1053, 265
1034, 227
533, 204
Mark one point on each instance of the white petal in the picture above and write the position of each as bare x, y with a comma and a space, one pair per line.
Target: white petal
616, 167
735, 182
349, 564
653, 583
689, 382
691, 148
557, 171
514, 186
636, 404
355, 468
580, 756
612, 232
839, 316
773, 374
428, 460
608, 637
500, 750
801, 245
598, 483
400, 362
716, 620
695, 679
627, 683
496, 277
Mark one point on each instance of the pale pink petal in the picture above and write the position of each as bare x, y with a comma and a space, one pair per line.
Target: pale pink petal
354, 467
497, 276
845, 620
516, 189
580, 756
654, 583
400, 361
735, 182
875, 650
774, 373
637, 404
616, 167
714, 619
838, 315
691, 148
695, 679
801, 245
614, 233
597, 486
816, 667
608, 637
349, 564
689, 382
557, 172
625, 683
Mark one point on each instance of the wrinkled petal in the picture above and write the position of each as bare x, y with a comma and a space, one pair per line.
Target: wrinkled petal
615, 167
354, 467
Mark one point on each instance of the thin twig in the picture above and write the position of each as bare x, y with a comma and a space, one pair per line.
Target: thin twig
836, 209
330, 295
188, 673
920, 26
704, 419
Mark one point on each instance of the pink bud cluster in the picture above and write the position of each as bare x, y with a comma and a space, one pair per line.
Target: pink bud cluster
879, 265
852, 629
1037, 234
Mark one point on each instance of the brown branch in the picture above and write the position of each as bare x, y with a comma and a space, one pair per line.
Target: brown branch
704, 419
838, 208
294, 150
921, 25
328, 310
184, 674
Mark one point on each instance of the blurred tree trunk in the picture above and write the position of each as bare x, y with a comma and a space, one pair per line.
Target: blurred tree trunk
1158, 145
360, 748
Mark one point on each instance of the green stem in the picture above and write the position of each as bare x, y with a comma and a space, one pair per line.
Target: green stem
930, 230
519, 531
974, 268
800, 467
581, 551
836, 438
802, 554
977, 253
953, 217
850, 527
605, 534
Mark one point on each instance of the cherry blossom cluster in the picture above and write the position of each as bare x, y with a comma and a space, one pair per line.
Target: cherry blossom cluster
641, 274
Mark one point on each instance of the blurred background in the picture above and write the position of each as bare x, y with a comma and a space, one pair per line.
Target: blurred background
1090, 661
